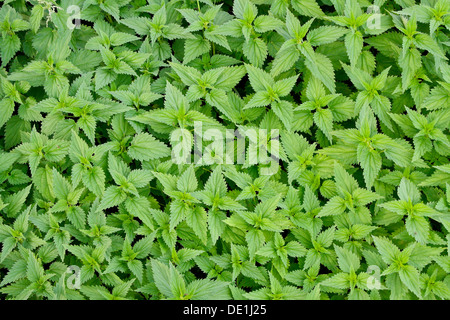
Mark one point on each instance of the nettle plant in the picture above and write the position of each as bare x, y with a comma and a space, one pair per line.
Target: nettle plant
350, 99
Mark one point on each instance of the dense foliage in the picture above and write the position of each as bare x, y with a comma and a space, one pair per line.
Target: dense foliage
98, 96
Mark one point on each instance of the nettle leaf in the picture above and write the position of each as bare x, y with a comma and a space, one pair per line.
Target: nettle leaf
146, 147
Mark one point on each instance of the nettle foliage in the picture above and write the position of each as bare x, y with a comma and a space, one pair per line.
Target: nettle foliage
94, 206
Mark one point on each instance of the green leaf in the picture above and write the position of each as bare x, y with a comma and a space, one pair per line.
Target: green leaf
284, 111
197, 220
418, 228
259, 79
286, 57
256, 51
7, 109
308, 8
322, 68
324, 35
411, 278
145, 147
389, 252
334, 206
348, 261
194, 48
94, 180
112, 197
354, 45
370, 161
187, 182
